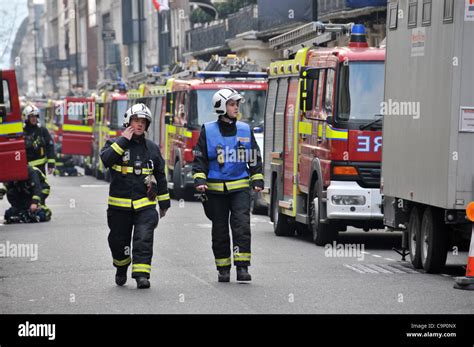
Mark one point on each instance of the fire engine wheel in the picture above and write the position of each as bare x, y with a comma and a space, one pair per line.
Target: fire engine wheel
322, 233
414, 237
282, 224
433, 241
178, 192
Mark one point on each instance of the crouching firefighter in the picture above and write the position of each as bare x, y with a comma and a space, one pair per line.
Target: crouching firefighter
137, 182
27, 199
227, 163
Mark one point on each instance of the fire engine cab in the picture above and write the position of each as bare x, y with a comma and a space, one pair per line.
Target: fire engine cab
189, 106
323, 139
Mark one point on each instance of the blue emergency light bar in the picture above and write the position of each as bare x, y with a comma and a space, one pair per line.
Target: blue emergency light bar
231, 74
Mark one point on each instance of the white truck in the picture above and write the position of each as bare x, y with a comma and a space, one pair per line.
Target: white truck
428, 126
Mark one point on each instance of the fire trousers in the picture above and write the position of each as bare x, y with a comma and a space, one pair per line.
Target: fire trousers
124, 223
235, 205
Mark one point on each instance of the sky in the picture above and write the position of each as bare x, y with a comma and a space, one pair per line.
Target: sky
9, 25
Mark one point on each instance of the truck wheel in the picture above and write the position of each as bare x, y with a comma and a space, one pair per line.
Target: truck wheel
322, 233
433, 241
178, 192
414, 237
282, 225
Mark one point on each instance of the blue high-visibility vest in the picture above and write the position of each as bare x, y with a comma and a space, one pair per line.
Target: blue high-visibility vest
234, 168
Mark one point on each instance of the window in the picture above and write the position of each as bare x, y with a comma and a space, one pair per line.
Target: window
361, 91
393, 20
426, 13
328, 104
320, 90
6, 96
412, 13
448, 11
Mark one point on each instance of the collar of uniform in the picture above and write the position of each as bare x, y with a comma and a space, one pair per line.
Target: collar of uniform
226, 121
30, 126
138, 139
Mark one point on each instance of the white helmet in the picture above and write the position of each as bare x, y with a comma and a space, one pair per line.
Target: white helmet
30, 109
219, 100
138, 110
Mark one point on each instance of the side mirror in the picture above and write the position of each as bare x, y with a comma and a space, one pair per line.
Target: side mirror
307, 78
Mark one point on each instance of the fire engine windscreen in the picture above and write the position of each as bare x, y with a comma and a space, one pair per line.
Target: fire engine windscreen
361, 90
119, 107
202, 111
6, 96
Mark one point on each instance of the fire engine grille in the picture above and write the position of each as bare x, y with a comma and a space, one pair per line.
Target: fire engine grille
370, 177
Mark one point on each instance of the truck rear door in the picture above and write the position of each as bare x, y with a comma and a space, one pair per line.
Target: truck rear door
77, 128
13, 164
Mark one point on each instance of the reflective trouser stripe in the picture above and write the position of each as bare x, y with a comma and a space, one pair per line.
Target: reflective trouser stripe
123, 262
36, 197
37, 162
45, 191
141, 268
163, 197
200, 175
117, 148
51, 161
241, 256
142, 203
256, 177
223, 262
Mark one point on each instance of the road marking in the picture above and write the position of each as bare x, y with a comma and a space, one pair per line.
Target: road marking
378, 268
376, 256
353, 268
93, 185
390, 259
381, 269
365, 252
204, 225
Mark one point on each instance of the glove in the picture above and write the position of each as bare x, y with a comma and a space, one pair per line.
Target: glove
152, 191
3, 191
152, 187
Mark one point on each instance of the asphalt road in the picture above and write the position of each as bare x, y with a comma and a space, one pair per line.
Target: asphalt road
73, 271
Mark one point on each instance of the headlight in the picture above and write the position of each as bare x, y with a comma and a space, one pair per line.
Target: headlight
348, 199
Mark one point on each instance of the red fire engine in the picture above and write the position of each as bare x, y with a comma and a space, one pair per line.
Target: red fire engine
323, 138
13, 164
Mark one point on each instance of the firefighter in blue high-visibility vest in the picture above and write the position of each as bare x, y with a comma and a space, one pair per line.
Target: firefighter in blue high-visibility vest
227, 165
137, 184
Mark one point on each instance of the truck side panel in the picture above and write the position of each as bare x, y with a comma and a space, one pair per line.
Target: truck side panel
419, 142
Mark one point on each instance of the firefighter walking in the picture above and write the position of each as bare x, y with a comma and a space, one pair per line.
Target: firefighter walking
137, 182
38, 142
227, 164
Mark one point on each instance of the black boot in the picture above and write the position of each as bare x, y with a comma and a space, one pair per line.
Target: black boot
243, 274
121, 276
223, 275
142, 283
